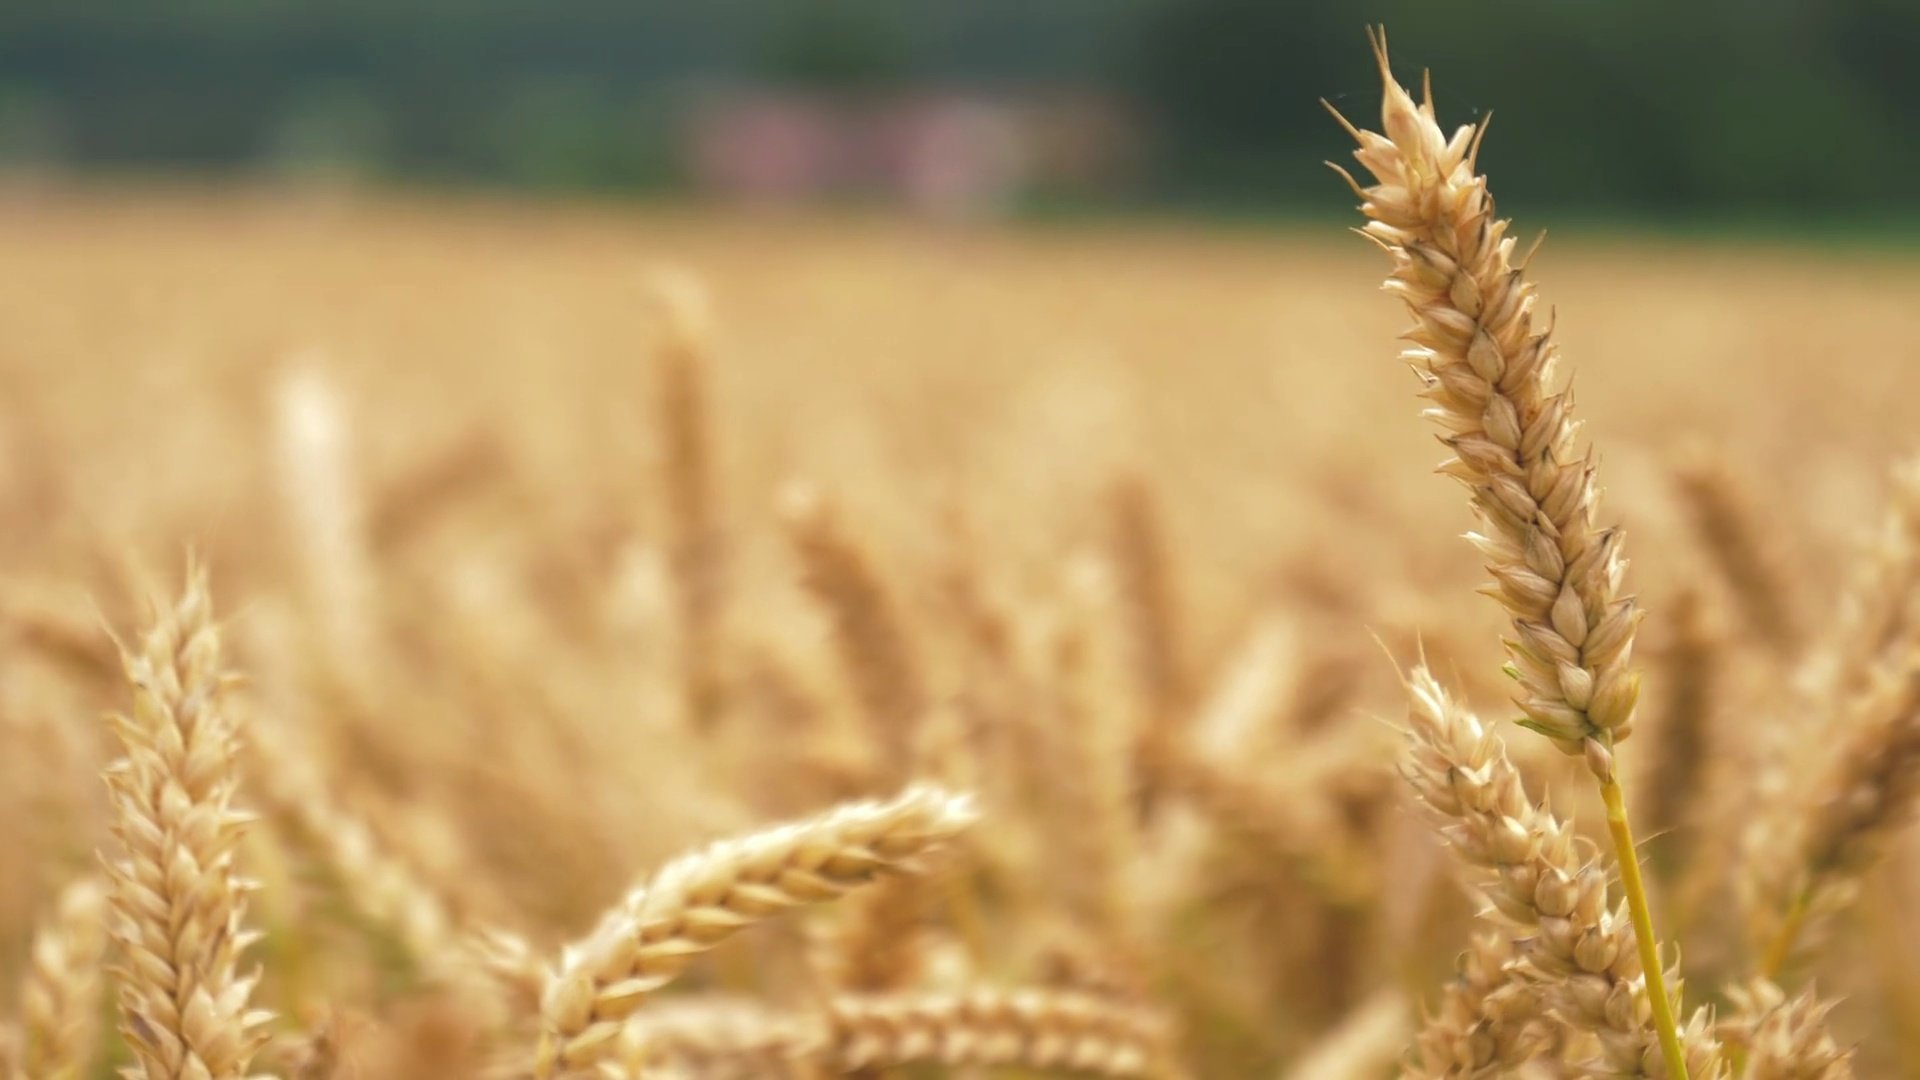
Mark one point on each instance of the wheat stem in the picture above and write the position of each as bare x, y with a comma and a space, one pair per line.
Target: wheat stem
1641, 912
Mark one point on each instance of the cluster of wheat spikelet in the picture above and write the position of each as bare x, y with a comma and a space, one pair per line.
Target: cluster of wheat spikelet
490, 801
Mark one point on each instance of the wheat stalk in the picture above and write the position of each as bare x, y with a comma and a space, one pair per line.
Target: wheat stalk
699, 900
179, 901
60, 996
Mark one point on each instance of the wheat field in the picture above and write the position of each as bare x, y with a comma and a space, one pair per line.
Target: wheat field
1099, 573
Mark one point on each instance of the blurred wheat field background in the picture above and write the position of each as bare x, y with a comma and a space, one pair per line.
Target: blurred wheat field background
554, 541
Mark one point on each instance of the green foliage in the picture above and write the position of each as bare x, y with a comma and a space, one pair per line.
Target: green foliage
1728, 107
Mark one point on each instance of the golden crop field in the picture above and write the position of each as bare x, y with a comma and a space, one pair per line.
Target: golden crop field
550, 543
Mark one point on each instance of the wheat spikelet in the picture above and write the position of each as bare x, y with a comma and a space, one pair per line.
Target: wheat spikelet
1027, 1029
700, 899
1732, 531
875, 649
1546, 883
60, 997
179, 902
1487, 367
1783, 1039
681, 359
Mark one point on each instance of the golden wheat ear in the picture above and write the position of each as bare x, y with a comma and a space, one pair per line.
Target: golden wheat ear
1579, 955
178, 896
701, 899
1487, 367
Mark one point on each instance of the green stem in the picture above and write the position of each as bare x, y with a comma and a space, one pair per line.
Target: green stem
1782, 945
1629, 859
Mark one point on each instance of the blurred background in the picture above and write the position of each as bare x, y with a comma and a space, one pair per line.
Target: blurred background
1714, 111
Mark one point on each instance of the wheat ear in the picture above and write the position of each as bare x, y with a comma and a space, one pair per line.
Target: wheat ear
60, 996
681, 360
371, 878
1488, 370
875, 649
1806, 851
1546, 883
1025, 1029
1489, 1023
699, 900
1150, 600
1783, 1039
1868, 792
1691, 663
1736, 538
179, 901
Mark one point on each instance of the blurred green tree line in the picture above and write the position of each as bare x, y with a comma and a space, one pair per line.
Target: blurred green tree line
1709, 107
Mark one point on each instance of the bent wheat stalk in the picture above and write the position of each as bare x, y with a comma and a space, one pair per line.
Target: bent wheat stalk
1488, 370
701, 899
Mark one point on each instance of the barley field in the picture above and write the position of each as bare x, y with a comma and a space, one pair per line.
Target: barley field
434, 579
